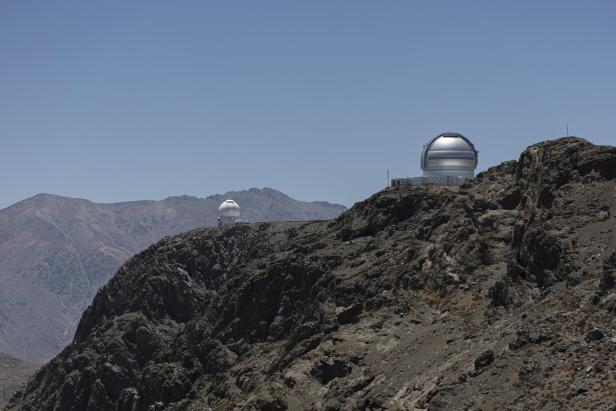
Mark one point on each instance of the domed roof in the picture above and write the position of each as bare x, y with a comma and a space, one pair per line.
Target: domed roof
449, 154
228, 205
229, 211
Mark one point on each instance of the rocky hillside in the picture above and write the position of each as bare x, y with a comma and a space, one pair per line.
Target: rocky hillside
56, 252
13, 375
500, 295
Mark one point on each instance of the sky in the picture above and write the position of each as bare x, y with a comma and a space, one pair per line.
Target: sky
128, 100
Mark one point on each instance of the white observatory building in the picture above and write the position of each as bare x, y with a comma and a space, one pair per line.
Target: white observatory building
448, 159
228, 213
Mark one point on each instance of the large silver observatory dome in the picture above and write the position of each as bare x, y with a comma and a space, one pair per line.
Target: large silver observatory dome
228, 212
449, 154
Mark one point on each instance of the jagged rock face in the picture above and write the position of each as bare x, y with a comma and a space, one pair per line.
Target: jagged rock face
499, 295
56, 252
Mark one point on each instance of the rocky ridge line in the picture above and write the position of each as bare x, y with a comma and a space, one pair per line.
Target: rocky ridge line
497, 296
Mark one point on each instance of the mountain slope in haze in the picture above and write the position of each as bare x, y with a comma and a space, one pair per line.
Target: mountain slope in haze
13, 375
499, 295
55, 252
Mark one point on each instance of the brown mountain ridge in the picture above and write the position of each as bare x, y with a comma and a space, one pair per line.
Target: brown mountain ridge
499, 295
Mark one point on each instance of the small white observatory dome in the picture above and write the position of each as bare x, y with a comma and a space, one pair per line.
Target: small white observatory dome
449, 154
228, 213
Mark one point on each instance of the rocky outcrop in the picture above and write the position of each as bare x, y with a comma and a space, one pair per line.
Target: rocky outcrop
488, 297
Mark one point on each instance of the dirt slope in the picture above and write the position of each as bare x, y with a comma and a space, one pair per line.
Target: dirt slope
13, 375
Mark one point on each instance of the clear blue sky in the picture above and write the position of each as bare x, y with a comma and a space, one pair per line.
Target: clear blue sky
123, 100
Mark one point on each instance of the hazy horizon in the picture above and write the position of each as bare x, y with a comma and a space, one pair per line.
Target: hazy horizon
204, 197
121, 101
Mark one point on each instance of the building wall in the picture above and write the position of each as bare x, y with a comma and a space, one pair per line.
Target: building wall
433, 180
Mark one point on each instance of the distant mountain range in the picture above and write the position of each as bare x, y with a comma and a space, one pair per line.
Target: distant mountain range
56, 252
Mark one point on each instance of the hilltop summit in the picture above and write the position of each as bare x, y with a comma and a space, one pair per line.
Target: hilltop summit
499, 295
